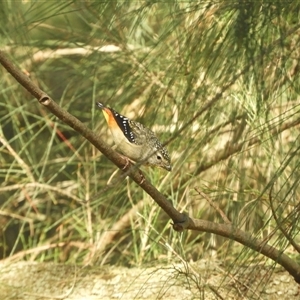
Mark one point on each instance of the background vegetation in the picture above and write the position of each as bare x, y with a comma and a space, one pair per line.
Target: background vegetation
217, 81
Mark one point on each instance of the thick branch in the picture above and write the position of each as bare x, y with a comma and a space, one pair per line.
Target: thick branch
134, 173
229, 231
181, 221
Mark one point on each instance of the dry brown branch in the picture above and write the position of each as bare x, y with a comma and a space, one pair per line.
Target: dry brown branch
244, 238
180, 220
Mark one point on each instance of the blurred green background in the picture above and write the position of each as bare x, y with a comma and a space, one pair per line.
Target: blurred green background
217, 81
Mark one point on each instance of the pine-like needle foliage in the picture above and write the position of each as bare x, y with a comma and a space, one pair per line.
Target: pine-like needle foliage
217, 81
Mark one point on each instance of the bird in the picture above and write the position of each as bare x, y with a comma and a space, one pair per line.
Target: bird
135, 141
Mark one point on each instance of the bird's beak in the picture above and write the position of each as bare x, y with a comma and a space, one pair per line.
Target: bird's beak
168, 168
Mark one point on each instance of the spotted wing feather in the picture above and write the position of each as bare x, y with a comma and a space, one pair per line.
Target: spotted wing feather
144, 135
141, 133
124, 124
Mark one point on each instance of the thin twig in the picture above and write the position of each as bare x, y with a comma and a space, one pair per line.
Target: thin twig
214, 205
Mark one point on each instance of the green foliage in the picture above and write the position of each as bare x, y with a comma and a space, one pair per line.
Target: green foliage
218, 81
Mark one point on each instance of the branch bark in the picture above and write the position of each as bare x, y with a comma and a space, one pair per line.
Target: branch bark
181, 221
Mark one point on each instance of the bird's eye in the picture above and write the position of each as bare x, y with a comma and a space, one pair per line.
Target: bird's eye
158, 157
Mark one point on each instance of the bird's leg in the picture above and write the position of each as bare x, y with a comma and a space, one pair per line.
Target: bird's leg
143, 178
128, 161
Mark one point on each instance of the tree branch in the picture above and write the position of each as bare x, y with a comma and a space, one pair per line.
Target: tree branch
244, 238
181, 221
